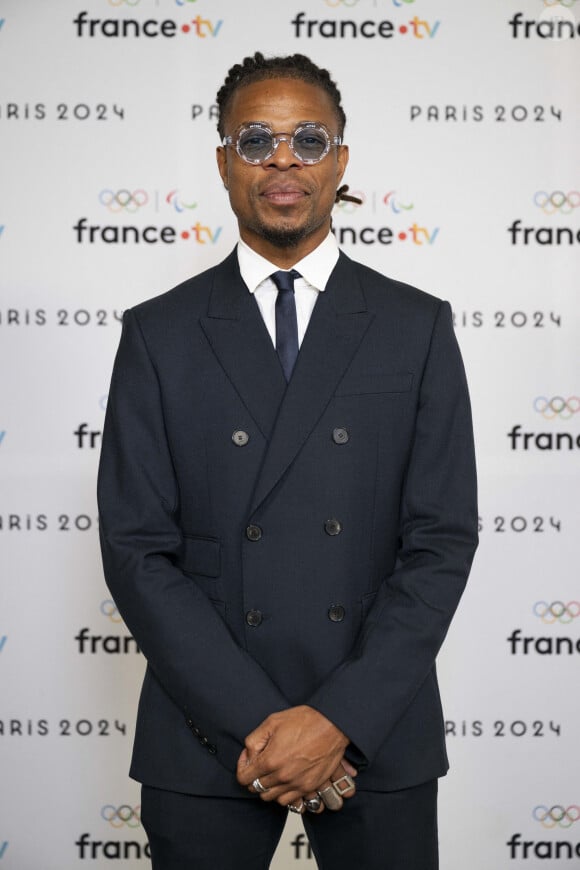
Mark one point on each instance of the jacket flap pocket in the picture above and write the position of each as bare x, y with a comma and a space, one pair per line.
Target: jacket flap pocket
374, 381
201, 556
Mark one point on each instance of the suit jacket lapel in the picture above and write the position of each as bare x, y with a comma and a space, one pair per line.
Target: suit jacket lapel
338, 323
240, 340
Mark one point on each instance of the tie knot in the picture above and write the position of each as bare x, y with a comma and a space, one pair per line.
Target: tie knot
285, 280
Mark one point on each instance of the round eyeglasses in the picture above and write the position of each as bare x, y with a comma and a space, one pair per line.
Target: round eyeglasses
309, 142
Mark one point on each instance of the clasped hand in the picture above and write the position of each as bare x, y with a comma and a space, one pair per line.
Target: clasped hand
294, 754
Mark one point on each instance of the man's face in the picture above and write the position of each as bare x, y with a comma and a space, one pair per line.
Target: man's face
283, 206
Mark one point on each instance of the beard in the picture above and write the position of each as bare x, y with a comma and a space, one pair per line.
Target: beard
282, 237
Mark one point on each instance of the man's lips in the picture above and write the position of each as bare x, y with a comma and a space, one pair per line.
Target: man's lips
283, 194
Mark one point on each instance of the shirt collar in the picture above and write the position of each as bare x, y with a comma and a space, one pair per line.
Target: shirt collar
315, 267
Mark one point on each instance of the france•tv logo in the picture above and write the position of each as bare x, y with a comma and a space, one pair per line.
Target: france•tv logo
117, 816
150, 28
125, 201
553, 204
345, 28
378, 203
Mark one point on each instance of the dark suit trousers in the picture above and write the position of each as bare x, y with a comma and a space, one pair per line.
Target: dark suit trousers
374, 831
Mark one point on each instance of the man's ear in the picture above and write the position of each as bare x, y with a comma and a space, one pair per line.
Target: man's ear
342, 162
222, 162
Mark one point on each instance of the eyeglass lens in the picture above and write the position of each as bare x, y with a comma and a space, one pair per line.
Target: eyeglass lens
308, 144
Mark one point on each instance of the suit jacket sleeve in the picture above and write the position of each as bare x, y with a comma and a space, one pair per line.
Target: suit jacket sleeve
186, 642
368, 693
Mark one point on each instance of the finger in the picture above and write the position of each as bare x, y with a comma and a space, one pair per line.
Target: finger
349, 768
330, 797
343, 782
247, 770
261, 784
317, 805
293, 801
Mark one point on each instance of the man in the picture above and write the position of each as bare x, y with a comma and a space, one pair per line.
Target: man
287, 534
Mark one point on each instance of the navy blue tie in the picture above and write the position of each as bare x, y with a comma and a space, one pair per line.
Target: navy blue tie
286, 324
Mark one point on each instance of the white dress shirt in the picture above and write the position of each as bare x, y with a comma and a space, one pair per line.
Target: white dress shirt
315, 269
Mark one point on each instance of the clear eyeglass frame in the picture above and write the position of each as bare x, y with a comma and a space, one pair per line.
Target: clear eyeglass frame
276, 138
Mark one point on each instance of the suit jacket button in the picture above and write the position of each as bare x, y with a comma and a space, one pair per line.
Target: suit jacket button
336, 612
332, 527
340, 436
211, 749
253, 533
254, 618
240, 437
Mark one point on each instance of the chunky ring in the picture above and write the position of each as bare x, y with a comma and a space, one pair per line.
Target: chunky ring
341, 788
313, 804
331, 798
299, 809
258, 786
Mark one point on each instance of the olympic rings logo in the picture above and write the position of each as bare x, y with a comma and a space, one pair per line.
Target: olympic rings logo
123, 200
550, 203
557, 611
120, 2
123, 815
109, 609
549, 817
557, 406
183, 2
335, 3
347, 207
566, 3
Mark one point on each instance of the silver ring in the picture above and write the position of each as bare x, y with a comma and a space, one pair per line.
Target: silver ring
341, 789
313, 804
299, 809
258, 786
331, 798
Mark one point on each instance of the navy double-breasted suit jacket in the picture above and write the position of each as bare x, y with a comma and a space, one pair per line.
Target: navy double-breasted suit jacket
273, 544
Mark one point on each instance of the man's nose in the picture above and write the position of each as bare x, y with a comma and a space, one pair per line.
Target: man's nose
283, 157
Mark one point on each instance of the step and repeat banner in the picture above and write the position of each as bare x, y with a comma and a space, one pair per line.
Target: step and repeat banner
463, 125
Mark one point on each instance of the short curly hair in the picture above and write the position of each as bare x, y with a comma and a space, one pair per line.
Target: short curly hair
293, 66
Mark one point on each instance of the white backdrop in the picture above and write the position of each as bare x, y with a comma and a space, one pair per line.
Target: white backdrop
464, 128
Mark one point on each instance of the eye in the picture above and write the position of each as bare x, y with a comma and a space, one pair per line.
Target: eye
255, 142
311, 141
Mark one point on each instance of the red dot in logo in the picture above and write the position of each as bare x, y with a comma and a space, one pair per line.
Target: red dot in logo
402, 236
403, 28
185, 28
185, 234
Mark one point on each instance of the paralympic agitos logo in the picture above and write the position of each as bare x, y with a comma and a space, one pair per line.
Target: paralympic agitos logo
124, 202
392, 205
